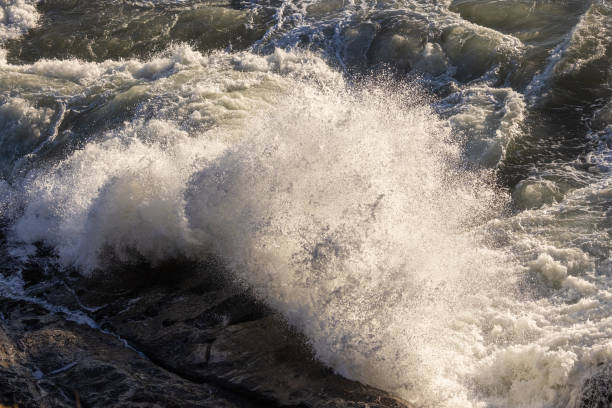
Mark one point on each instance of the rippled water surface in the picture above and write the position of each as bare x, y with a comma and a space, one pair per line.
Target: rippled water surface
421, 187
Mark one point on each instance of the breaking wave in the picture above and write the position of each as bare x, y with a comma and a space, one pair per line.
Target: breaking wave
365, 211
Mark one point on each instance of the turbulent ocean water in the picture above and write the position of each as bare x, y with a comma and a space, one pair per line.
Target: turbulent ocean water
422, 188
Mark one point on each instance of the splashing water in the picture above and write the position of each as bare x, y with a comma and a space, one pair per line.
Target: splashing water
344, 207
352, 207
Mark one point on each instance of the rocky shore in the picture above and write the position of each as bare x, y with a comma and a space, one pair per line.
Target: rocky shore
164, 339
174, 336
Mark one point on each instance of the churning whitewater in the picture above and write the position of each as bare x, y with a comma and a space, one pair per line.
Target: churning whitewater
421, 188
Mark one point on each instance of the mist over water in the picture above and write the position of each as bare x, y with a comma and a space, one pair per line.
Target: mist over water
420, 188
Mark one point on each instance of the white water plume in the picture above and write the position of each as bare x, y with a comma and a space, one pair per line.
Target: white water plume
344, 208
345, 212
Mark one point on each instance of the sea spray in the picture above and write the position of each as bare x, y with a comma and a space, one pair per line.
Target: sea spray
344, 207
346, 210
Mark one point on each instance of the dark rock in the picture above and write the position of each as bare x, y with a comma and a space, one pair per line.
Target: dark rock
201, 342
54, 365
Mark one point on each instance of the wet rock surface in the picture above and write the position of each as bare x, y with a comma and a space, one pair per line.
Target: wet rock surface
48, 361
180, 342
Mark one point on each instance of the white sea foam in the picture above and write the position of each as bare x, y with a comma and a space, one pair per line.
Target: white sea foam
343, 206
16, 17
21, 127
487, 119
587, 42
590, 40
